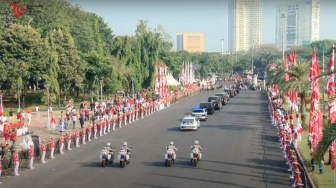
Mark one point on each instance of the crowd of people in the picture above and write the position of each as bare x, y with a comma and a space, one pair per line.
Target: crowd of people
289, 135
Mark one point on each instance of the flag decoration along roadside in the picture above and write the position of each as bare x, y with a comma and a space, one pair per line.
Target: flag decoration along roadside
161, 72
331, 77
315, 122
332, 107
286, 69
333, 156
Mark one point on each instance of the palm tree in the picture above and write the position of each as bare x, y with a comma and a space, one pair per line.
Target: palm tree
299, 82
329, 135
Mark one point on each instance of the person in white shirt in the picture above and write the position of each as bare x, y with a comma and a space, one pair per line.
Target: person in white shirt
37, 110
29, 118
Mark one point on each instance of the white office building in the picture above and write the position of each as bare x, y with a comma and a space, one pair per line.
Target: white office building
297, 23
245, 24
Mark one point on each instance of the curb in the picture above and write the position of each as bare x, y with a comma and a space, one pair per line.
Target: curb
308, 178
309, 183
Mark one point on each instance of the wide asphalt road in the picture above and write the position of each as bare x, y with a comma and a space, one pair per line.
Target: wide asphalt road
240, 150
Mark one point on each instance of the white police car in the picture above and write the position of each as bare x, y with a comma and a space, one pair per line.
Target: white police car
190, 123
200, 113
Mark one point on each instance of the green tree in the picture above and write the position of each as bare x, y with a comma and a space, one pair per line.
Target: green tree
22, 56
71, 69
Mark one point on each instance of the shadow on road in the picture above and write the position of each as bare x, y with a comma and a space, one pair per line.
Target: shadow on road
147, 185
174, 129
156, 163
99, 165
230, 127
204, 180
178, 163
254, 114
245, 104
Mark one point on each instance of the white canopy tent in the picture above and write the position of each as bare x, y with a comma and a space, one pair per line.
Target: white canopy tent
171, 80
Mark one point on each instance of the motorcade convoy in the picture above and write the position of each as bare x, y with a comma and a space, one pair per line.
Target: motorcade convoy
208, 106
216, 100
200, 113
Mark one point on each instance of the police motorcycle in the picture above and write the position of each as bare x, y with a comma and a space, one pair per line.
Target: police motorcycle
194, 156
124, 155
169, 156
196, 153
106, 156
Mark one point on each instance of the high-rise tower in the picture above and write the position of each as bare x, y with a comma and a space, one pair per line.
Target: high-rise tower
245, 24
298, 22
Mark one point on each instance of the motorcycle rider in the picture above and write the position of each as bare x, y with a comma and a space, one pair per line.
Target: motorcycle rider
197, 146
172, 148
127, 149
108, 147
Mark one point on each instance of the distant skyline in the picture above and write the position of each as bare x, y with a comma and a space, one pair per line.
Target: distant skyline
209, 17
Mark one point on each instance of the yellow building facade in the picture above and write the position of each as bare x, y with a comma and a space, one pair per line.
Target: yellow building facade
190, 42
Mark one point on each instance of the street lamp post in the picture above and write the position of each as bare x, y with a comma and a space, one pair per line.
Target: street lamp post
19, 101
252, 59
101, 90
283, 35
132, 89
323, 60
222, 46
48, 105
265, 75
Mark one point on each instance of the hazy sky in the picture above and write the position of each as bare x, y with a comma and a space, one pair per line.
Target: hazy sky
199, 16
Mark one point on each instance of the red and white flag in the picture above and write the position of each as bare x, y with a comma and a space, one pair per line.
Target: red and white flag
331, 77
315, 122
286, 69
333, 156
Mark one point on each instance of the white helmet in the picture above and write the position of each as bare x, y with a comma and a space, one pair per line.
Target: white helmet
171, 143
125, 144
196, 142
108, 144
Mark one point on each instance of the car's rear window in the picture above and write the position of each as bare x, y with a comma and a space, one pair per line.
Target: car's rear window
187, 121
212, 99
198, 110
202, 105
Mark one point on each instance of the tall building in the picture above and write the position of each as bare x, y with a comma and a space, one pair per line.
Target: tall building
245, 24
297, 23
190, 42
